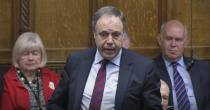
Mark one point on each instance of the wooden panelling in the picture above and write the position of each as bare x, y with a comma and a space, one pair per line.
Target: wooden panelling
198, 12
5, 30
201, 23
63, 26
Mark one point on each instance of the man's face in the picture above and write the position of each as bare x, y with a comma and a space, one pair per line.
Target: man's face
109, 36
164, 90
173, 42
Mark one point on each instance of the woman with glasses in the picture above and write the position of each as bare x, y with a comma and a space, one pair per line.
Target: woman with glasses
28, 85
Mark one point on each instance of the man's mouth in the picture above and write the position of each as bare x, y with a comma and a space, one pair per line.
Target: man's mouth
109, 50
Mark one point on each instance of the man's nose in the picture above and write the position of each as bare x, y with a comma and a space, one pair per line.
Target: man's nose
109, 39
173, 42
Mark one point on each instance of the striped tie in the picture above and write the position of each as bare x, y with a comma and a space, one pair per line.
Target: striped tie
98, 90
181, 93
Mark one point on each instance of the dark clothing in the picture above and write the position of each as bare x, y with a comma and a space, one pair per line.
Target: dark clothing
138, 88
200, 77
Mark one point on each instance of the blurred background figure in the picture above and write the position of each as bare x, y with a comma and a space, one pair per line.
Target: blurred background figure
126, 40
28, 84
164, 91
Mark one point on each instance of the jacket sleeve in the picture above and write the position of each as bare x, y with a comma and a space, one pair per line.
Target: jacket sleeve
6, 100
59, 99
208, 103
143, 92
151, 93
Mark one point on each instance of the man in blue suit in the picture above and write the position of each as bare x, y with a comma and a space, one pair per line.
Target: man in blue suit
195, 74
126, 82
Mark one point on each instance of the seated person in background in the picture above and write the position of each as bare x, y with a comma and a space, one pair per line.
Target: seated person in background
126, 41
28, 84
164, 91
187, 78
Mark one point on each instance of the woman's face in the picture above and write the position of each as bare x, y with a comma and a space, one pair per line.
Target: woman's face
30, 60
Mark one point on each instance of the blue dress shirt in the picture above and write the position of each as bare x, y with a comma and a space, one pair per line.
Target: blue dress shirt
112, 73
187, 80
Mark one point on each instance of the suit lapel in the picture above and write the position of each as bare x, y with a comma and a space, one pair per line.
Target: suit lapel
195, 78
83, 72
163, 74
124, 76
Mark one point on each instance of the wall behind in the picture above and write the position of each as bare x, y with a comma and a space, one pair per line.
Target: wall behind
65, 25
5, 30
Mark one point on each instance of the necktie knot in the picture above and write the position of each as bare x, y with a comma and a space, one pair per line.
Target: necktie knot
104, 61
103, 64
174, 64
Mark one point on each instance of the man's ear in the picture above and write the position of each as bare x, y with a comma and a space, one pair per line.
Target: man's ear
159, 40
123, 36
94, 34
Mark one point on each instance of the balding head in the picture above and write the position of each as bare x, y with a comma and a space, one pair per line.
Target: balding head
173, 24
173, 40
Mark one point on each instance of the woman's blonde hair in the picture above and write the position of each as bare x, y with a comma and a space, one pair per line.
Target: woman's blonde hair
27, 41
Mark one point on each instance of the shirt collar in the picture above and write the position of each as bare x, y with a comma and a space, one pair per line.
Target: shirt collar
180, 62
115, 60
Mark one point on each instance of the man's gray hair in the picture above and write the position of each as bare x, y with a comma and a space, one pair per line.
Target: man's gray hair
163, 26
108, 10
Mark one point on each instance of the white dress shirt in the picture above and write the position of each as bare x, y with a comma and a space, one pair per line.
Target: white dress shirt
112, 73
181, 68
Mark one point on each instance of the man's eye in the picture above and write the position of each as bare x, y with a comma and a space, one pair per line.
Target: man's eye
104, 34
178, 40
168, 38
116, 34
165, 97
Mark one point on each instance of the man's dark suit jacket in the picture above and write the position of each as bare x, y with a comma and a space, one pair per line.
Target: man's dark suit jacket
138, 88
200, 77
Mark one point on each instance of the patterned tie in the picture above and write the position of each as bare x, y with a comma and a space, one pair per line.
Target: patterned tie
98, 90
181, 93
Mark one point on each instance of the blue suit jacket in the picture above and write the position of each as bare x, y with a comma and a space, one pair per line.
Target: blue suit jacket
200, 77
137, 89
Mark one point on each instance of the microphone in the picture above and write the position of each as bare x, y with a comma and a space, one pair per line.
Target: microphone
190, 64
